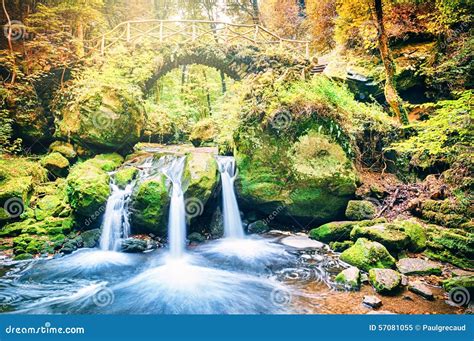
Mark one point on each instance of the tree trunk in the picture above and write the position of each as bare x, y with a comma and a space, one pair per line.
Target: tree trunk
255, 12
391, 94
9, 39
223, 83
80, 39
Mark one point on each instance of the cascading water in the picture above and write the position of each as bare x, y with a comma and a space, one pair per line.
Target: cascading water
177, 213
116, 223
232, 222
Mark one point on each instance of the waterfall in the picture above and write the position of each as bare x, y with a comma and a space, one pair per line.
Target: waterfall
177, 213
116, 223
232, 223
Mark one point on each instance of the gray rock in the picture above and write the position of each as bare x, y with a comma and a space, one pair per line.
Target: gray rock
217, 224
372, 301
301, 242
404, 281
422, 290
418, 266
350, 277
90, 238
258, 226
385, 281
132, 245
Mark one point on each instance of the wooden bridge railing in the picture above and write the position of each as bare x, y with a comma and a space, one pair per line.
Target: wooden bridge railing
183, 31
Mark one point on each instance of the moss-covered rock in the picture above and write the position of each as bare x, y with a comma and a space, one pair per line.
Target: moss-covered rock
88, 183
350, 278
385, 281
56, 164
386, 234
360, 210
341, 246
459, 282
415, 232
446, 212
102, 116
340, 230
124, 176
366, 255
149, 206
312, 177
455, 246
200, 179
63, 148
203, 132
90, 238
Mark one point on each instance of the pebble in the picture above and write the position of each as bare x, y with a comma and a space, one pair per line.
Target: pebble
372, 301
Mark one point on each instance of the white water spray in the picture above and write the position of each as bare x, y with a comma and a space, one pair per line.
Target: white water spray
232, 222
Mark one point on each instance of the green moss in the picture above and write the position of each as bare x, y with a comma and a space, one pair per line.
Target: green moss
385, 281
339, 230
386, 234
459, 282
149, 203
415, 232
64, 148
366, 255
88, 183
124, 176
56, 164
341, 246
23, 256
360, 209
205, 131
350, 278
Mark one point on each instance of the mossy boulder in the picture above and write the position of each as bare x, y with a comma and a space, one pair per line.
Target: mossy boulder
56, 164
311, 177
446, 212
200, 179
360, 210
350, 278
63, 148
415, 232
455, 246
341, 246
124, 176
18, 176
150, 201
460, 282
88, 183
203, 132
90, 238
386, 234
339, 230
102, 116
366, 255
385, 281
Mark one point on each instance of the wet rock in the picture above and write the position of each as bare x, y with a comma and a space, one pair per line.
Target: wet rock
196, 237
422, 290
133, 245
350, 277
365, 255
341, 246
360, 210
339, 230
258, 226
466, 282
301, 242
23, 256
124, 176
56, 164
90, 238
404, 281
372, 301
216, 227
69, 247
385, 281
386, 234
418, 266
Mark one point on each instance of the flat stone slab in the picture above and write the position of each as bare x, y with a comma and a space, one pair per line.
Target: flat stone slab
372, 301
301, 242
422, 290
418, 266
